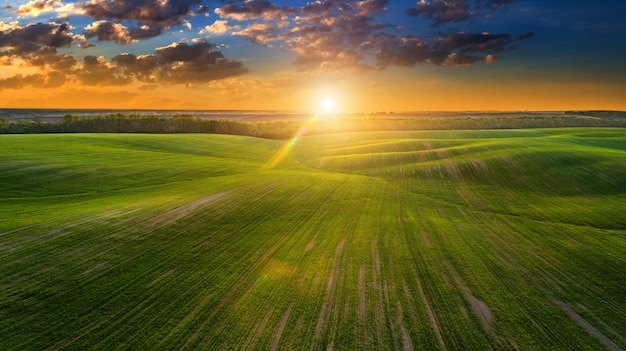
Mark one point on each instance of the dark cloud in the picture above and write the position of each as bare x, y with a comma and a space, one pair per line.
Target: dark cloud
141, 67
326, 35
202, 10
196, 63
109, 31
252, 9
473, 42
33, 36
331, 43
119, 33
180, 63
96, 71
399, 51
451, 11
49, 80
498, 3
143, 11
450, 50
442, 11
343, 35
47, 57
152, 17
36, 44
525, 36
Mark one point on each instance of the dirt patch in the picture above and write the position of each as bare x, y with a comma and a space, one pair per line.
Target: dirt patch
425, 238
281, 327
361, 293
443, 153
322, 320
380, 287
432, 316
588, 327
479, 307
406, 338
482, 310
311, 243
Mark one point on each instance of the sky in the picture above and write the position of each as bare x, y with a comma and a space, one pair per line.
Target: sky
350, 55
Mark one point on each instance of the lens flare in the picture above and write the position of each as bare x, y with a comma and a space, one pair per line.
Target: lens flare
280, 156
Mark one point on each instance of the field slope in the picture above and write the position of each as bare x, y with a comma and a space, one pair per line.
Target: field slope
436, 240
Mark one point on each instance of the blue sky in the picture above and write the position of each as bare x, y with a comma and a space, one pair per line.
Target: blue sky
365, 54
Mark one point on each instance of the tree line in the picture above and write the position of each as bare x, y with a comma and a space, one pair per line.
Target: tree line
119, 123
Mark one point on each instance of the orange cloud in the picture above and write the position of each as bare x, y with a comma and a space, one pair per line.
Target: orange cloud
218, 27
36, 7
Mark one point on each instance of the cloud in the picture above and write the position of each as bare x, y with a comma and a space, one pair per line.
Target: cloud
525, 36
152, 16
36, 44
329, 43
371, 6
140, 67
260, 33
218, 27
324, 35
473, 42
180, 63
109, 31
252, 9
196, 63
442, 11
48, 59
147, 11
96, 71
336, 35
451, 11
66, 10
36, 7
51, 80
327, 36
450, 50
6, 27
33, 36
498, 3
491, 59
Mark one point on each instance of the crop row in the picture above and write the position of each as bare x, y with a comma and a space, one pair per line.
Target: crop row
407, 240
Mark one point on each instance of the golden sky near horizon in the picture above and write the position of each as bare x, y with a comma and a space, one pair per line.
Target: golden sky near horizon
370, 55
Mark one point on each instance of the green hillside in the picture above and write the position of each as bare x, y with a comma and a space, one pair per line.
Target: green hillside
450, 240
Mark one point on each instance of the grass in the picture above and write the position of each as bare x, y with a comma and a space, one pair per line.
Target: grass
375, 240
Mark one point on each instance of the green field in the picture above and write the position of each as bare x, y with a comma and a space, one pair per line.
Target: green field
450, 240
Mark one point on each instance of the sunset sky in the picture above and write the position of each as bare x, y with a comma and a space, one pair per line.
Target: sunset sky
370, 55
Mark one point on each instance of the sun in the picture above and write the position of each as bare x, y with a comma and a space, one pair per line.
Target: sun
327, 105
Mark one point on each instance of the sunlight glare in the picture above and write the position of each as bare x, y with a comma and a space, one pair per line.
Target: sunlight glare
327, 105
